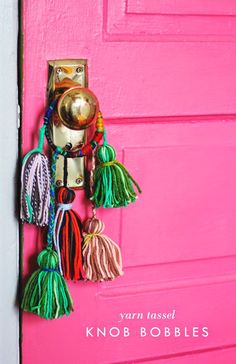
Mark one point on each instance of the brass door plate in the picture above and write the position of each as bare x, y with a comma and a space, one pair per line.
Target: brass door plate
62, 75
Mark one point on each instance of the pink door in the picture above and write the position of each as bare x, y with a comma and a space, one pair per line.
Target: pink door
164, 72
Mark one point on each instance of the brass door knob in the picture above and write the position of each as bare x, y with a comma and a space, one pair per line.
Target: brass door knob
78, 108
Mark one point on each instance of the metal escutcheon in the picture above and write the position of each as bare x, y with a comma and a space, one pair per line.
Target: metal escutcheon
77, 108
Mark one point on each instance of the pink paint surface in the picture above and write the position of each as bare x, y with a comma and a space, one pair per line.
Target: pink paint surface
164, 73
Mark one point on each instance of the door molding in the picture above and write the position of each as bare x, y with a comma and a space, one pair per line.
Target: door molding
9, 230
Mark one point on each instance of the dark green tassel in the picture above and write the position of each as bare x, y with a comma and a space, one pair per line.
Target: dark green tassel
46, 293
113, 185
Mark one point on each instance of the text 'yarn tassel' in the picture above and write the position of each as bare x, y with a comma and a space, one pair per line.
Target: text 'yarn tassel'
102, 256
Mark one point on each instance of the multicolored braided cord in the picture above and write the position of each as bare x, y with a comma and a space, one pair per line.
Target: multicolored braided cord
51, 221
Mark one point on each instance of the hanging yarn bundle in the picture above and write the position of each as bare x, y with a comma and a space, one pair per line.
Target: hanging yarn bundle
46, 293
35, 183
102, 256
113, 185
68, 236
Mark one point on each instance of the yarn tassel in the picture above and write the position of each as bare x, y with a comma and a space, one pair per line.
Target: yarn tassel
102, 256
68, 236
35, 184
46, 293
113, 185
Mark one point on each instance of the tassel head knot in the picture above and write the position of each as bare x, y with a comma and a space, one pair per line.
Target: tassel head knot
65, 195
48, 259
94, 226
106, 153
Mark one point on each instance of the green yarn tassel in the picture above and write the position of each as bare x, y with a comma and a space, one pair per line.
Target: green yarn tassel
46, 293
113, 185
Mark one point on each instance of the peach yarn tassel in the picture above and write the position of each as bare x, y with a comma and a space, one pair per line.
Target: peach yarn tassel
102, 256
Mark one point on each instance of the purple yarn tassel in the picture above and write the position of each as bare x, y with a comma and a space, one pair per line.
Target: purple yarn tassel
35, 185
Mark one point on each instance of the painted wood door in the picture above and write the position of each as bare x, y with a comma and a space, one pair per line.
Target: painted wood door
164, 72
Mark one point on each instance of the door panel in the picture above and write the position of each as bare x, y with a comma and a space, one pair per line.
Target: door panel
155, 20
164, 76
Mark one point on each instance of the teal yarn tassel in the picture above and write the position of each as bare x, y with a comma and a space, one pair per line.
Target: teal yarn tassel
46, 293
113, 184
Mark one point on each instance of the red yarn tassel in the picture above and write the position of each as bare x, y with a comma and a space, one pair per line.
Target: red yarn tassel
68, 237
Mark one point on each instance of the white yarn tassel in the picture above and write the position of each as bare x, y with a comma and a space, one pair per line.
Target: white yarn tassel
35, 186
